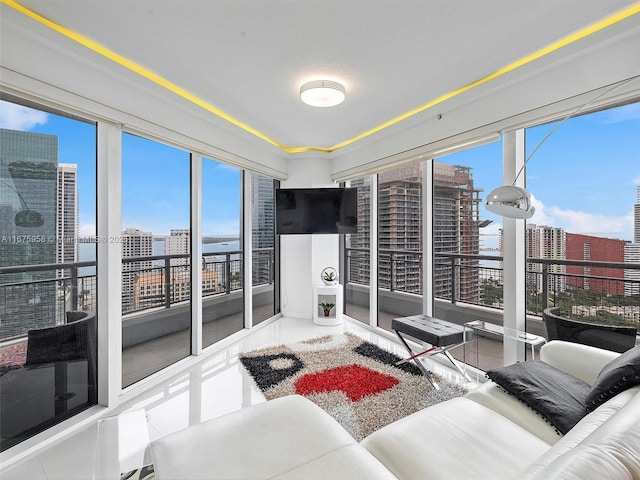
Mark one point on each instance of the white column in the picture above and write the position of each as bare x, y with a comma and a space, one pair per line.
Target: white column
373, 252
427, 237
247, 217
109, 262
196, 254
514, 263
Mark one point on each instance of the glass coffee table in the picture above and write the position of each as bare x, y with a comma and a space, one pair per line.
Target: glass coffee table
123, 448
500, 331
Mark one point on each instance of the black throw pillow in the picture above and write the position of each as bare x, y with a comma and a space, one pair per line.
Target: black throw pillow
615, 377
556, 395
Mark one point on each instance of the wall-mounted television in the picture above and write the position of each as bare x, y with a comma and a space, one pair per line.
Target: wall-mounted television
316, 210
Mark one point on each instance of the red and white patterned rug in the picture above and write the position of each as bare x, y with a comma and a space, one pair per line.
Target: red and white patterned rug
353, 380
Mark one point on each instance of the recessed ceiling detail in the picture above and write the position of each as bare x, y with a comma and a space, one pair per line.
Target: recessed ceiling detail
371, 64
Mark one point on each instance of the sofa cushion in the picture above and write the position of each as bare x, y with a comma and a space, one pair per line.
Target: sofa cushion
558, 396
456, 439
604, 444
615, 377
286, 438
492, 396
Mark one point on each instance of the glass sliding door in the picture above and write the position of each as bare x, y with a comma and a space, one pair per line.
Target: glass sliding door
222, 257
399, 243
263, 247
355, 274
48, 322
156, 278
584, 237
468, 287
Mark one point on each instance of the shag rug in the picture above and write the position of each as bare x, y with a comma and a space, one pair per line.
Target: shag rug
355, 381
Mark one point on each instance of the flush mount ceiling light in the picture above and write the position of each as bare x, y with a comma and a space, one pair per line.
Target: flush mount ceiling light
322, 93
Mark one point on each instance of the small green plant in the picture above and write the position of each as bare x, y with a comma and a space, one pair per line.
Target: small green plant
329, 276
326, 308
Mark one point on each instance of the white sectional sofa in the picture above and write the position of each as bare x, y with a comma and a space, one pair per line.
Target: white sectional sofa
488, 434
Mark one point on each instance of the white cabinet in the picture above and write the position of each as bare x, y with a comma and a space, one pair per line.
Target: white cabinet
324, 296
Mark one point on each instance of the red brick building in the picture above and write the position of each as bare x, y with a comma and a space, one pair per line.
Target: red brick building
595, 249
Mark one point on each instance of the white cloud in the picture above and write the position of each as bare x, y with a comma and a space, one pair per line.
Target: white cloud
87, 230
622, 114
574, 221
17, 117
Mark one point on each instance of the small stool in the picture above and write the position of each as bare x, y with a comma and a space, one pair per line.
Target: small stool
442, 335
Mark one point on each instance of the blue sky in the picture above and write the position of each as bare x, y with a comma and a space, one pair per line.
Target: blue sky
583, 178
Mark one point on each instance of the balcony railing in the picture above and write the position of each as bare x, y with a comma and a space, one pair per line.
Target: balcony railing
38, 296
586, 288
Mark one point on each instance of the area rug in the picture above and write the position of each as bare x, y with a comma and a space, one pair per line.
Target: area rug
354, 380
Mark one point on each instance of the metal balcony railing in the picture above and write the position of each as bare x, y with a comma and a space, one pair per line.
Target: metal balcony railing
38, 296
606, 290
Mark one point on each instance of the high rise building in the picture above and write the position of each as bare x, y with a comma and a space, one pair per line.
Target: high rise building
358, 260
632, 252
28, 172
178, 243
262, 228
135, 243
632, 276
67, 215
399, 228
595, 249
456, 229
456, 220
636, 217
545, 242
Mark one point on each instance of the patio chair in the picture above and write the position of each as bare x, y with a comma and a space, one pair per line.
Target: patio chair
609, 337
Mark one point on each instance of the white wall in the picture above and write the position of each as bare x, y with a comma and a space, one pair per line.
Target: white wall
304, 256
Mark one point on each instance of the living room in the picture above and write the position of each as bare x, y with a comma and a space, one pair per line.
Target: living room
102, 75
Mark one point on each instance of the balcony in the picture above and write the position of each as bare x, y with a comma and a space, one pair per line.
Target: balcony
469, 287
156, 324
157, 315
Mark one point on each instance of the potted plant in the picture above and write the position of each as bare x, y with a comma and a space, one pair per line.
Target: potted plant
326, 308
329, 276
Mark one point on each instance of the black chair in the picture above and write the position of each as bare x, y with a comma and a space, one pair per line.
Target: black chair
609, 337
66, 343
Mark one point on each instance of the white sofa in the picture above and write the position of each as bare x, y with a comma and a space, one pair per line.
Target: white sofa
488, 434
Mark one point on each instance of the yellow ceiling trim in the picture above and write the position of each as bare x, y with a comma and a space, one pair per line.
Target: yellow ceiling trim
139, 69
157, 79
580, 34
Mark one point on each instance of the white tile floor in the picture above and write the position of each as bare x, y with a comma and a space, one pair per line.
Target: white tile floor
215, 385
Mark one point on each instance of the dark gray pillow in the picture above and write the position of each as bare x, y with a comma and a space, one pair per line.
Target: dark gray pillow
556, 395
615, 377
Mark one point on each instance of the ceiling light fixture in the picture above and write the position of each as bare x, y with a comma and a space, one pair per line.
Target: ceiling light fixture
322, 93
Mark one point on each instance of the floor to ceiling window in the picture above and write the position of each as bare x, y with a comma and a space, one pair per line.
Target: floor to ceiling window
222, 260
48, 334
467, 255
263, 245
399, 243
585, 183
156, 279
357, 257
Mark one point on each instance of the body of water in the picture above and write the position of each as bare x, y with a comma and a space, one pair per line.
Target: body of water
87, 252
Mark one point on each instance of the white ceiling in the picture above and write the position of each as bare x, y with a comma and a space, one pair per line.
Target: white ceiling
249, 57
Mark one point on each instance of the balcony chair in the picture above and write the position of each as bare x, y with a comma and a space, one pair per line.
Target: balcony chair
72, 341
609, 337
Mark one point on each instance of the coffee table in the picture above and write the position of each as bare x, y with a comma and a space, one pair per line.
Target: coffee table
504, 332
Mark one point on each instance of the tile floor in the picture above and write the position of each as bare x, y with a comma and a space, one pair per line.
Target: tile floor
212, 386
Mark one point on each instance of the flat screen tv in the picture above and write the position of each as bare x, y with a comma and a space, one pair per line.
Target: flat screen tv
316, 210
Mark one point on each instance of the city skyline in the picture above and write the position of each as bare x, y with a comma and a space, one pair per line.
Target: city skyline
581, 205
